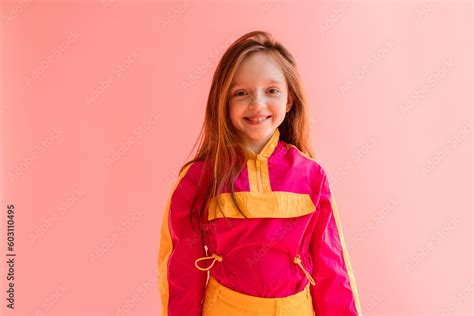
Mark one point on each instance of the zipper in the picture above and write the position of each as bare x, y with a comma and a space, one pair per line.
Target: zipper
258, 171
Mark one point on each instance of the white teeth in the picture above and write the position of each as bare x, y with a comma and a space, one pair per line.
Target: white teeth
255, 120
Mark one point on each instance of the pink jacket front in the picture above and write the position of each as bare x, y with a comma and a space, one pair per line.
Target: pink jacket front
292, 235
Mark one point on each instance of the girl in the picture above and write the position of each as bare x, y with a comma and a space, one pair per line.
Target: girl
251, 226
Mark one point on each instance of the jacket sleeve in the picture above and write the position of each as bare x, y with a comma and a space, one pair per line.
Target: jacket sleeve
181, 284
335, 291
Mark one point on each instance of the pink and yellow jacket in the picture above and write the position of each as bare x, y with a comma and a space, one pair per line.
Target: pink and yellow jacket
292, 236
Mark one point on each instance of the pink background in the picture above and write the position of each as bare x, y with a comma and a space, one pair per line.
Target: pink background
102, 102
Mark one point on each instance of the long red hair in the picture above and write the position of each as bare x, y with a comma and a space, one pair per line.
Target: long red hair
219, 146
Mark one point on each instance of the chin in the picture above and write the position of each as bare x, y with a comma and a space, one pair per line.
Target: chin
258, 135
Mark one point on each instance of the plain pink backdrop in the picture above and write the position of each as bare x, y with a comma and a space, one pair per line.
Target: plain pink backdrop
102, 102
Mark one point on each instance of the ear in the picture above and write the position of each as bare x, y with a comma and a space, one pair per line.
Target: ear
289, 104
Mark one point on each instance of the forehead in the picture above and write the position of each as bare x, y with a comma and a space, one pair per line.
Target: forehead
258, 68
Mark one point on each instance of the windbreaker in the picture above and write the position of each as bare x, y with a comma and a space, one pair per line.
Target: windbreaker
292, 235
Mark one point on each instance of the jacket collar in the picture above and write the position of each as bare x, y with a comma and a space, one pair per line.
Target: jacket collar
267, 150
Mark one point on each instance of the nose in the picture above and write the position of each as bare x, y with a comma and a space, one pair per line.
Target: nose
257, 100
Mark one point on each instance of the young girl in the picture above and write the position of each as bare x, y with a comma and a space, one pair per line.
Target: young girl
251, 226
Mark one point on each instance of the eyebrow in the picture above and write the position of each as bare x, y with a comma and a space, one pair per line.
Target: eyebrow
268, 81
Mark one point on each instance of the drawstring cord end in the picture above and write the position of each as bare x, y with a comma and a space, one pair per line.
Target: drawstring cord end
297, 260
213, 256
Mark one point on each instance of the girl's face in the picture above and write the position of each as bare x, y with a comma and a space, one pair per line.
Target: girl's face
259, 100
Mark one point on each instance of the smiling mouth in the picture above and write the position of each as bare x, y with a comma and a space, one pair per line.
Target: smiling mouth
256, 120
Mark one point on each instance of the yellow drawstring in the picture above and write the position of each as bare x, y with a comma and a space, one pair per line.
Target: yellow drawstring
298, 262
214, 256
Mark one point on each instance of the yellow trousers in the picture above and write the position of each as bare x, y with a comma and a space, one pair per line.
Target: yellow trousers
222, 301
